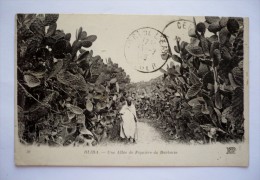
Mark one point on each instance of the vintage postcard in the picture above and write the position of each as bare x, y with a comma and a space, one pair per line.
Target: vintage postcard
131, 90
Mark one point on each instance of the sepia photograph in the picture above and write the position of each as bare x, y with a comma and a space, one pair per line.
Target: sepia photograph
131, 90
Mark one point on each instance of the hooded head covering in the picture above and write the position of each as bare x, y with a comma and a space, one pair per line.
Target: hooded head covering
129, 101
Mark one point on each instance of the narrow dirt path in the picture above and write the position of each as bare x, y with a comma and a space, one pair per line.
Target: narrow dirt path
147, 135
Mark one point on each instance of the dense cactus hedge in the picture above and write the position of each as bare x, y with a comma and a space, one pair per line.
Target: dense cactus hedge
66, 96
200, 98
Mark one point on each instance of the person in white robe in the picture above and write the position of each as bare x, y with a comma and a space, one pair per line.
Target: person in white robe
128, 127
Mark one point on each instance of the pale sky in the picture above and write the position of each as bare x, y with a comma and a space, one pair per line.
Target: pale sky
112, 32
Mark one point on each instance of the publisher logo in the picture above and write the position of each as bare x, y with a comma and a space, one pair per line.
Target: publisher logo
231, 150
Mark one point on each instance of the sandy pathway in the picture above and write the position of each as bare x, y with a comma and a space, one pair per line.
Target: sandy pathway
147, 135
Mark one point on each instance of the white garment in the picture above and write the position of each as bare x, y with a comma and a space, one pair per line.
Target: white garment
128, 127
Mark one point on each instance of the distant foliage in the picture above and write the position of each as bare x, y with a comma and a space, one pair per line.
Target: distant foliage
66, 96
201, 96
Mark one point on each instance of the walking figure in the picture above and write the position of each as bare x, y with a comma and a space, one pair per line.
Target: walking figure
128, 126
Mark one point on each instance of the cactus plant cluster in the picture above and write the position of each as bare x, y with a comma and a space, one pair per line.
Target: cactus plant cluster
201, 96
65, 95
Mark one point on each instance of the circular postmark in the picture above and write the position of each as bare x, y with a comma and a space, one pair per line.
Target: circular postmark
147, 49
178, 30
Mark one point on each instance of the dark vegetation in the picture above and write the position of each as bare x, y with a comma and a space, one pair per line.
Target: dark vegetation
200, 97
65, 94
68, 96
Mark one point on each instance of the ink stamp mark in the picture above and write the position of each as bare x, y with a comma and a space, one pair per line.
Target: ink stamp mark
147, 49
